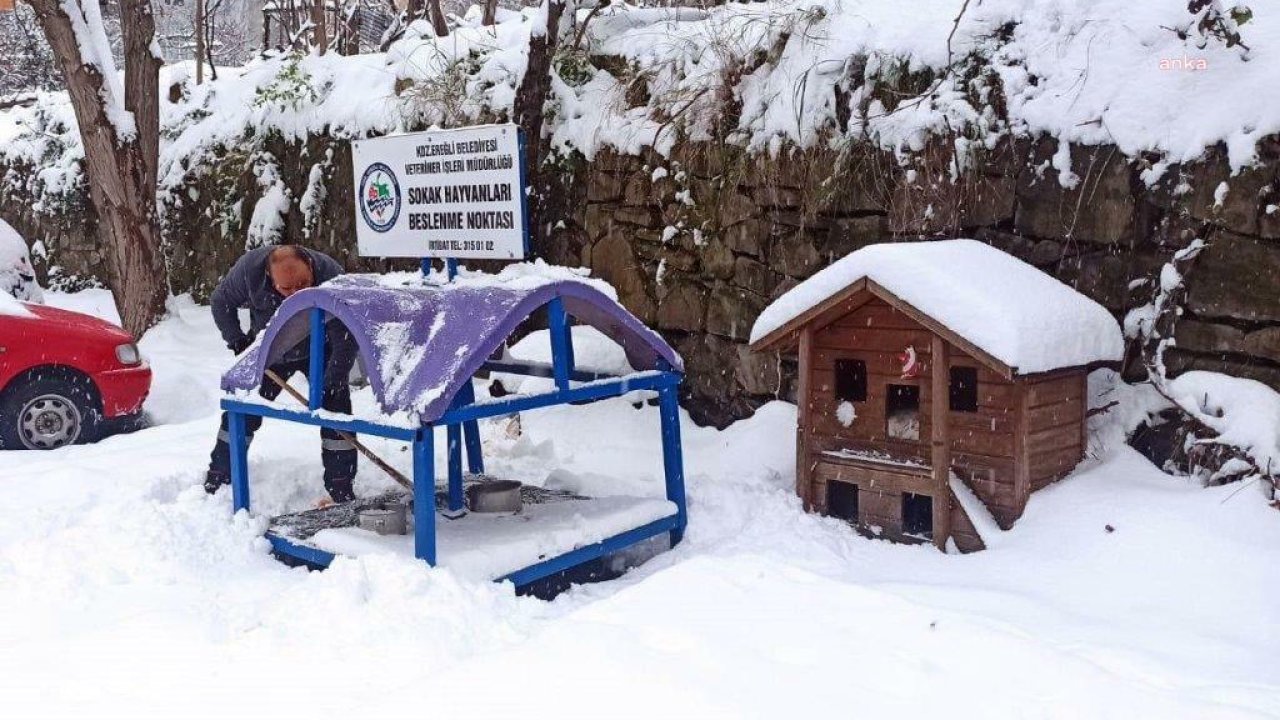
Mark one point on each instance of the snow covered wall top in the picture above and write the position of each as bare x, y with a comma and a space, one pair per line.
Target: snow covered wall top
421, 339
1016, 313
1143, 76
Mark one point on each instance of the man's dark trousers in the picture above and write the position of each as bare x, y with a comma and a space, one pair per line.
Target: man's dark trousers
337, 453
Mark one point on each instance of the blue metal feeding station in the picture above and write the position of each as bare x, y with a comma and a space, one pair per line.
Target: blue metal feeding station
422, 341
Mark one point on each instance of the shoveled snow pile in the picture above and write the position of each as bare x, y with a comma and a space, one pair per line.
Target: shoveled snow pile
17, 277
1020, 315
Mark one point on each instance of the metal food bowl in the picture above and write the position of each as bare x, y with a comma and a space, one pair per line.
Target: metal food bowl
495, 496
389, 519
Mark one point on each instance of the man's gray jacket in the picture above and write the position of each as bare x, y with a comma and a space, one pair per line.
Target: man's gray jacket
248, 285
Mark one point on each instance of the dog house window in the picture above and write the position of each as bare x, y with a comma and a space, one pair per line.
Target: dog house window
851, 380
964, 389
842, 501
917, 515
902, 412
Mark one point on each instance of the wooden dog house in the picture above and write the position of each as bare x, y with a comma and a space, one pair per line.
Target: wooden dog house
879, 334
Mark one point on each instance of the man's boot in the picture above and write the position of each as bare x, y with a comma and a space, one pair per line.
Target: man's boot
341, 490
213, 480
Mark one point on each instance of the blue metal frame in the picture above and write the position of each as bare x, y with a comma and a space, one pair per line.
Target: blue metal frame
673, 457
471, 431
239, 445
587, 553
561, 343
307, 554
453, 434
462, 431
355, 425
560, 563
450, 267
424, 496
583, 393
543, 370
315, 374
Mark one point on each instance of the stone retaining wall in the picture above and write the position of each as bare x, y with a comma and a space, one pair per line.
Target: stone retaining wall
751, 228
697, 244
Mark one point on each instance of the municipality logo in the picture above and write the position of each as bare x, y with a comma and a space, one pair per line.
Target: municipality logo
379, 197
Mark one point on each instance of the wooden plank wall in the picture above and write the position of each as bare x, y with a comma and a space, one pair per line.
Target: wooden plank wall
1055, 409
982, 442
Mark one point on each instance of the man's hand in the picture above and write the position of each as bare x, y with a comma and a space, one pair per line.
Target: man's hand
240, 345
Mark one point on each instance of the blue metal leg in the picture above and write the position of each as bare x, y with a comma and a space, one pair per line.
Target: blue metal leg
471, 432
454, 433
315, 375
424, 496
561, 343
673, 465
239, 461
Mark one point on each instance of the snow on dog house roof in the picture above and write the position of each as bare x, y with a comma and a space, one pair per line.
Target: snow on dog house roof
1021, 320
421, 340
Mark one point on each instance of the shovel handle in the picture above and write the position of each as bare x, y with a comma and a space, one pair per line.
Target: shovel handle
395, 474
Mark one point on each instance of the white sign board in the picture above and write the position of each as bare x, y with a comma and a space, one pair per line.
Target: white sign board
442, 193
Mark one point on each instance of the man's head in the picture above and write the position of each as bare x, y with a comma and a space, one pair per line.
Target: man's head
289, 270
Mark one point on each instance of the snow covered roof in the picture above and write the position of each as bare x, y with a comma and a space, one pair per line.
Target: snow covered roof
421, 339
1017, 314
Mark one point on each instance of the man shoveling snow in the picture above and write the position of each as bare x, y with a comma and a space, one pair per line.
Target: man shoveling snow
260, 281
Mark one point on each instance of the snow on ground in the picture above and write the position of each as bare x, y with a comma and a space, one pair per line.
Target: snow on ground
1243, 413
126, 592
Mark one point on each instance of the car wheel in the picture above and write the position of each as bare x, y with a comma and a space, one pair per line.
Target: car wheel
45, 414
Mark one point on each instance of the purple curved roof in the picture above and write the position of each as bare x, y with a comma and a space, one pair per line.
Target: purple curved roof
420, 341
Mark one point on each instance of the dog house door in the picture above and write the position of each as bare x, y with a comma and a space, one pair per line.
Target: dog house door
902, 412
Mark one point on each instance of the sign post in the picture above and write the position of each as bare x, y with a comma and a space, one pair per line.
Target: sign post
452, 194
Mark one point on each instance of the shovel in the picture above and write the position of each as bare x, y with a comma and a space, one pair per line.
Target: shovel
395, 474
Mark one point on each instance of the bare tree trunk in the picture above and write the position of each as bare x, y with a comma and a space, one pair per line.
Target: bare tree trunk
208, 50
199, 41
320, 38
490, 12
120, 165
349, 43
142, 86
437, 18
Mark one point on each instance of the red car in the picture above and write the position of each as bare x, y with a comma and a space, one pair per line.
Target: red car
65, 377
